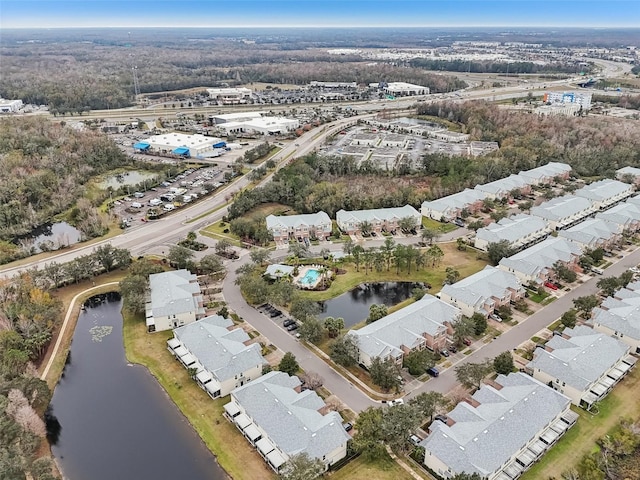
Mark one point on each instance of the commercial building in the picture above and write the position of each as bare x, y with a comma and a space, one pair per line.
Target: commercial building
619, 316
521, 231
593, 233
230, 96
423, 324
261, 126
534, 265
182, 144
380, 219
334, 85
605, 193
500, 431
402, 89
299, 227
173, 300
563, 212
281, 420
222, 356
483, 292
10, 106
235, 117
581, 99
582, 364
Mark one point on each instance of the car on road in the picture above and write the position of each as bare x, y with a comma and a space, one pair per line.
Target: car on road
433, 371
550, 285
396, 402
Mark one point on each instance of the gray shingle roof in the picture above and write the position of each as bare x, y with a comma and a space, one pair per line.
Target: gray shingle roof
541, 256
504, 185
591, 232
512, 229
622, 313
550, 170
581, 359
603, 189
480, 287
219, 350
376, 214
622, 214
562, 207
294, 221
173, 292
405, 327
291, 419
483, 438
456, 201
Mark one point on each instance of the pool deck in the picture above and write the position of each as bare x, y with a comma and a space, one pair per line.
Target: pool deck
302, 272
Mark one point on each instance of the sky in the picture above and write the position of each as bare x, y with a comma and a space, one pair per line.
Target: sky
317, 13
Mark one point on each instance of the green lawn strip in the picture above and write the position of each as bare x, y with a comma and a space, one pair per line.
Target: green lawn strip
537, 297
231, 449
382, 468
438, 226
581, 438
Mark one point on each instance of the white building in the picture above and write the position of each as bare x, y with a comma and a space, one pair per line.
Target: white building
381, 219
605, 193
261, 126
230, 96
502, 188
563, 212
298, 227
519, 230
222, 355
631, 172
235, 117
281, 420
334, 85
174, 300
619, 316
626, 215
581, 99
10, 106
451, 206
402, 89
593, 233
582, 364
546, 173
500, 431
183, 144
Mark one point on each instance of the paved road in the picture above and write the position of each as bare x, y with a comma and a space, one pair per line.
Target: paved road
528, 328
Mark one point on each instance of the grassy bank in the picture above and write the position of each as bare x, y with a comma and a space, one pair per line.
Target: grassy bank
205, 415
581, 439
383, 468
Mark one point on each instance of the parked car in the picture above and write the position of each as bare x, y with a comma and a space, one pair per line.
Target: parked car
444, 352
348, 426
634, 270
496, 317
466, 341
597, 271
288, 322
441, 418
550, 285
433, 371
453, 349
292, 327
415, 439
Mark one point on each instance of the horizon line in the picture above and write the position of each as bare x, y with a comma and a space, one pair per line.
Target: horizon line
297, 27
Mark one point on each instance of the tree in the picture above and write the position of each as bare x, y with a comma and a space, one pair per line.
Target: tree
499, 250
303, 308
259, 255
312, 380
479, 323
461, 245
289, 364
418, 361
108, 256
344, 351
180, 257
435, 255
503, 363
302, 467
333, 326
387, 249
470, 375
356, 254
463, 329
298, 250
407, 224
452, 275
397, 425
385, 374
564, 273
365, 228
222, 246
568, 318
376, 312
311, 330
347, 246
429, 403
475, 225
585, 304
429, 235
369, 440
210, 264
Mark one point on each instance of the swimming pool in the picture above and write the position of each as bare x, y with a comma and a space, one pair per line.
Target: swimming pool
310, 277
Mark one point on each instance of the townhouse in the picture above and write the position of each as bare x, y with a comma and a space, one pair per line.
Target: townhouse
281, 420
546, 173
593, 233
626, 215
299, 227
450, 207
582, 364
519, 230
173, 300
504, 187
563, 212
629, 173
619, 316
223, 357
380, 219
423, 324
605, 193
500, 431
483, 292
535, 264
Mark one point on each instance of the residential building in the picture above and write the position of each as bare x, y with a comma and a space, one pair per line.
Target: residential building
583, 100
422, 324
230, 96
182, 144
282, 420
519, 230
500, 431
563, 212
546, 173
10, 106
450, 207
299, 227
582, 364
381, 219
593, 233
502, 188
534, 265
605, 193
222, 356
619, 316
483, 292
625, 215
403, 89
173, 300
632, 173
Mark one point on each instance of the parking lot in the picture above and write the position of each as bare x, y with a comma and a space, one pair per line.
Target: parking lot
280, 318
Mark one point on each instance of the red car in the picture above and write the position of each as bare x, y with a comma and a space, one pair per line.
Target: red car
466, 341
550, 285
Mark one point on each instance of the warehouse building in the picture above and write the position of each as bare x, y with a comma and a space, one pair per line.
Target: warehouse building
182, 144
230, 96
402, 89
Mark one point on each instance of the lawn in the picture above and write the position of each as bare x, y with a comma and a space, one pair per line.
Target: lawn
537, 297
383, 468
466, 263
233, 452
581, 438
438, 226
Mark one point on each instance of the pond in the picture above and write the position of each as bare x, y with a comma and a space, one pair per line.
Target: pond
50, 236
112, 420
354, 305
129, 178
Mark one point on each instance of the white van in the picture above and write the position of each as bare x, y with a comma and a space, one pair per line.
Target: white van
597, 270
154, 202
136, 205
168, 207
187, 198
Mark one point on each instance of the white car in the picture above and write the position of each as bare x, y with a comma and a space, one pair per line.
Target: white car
634, 270
396, 402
